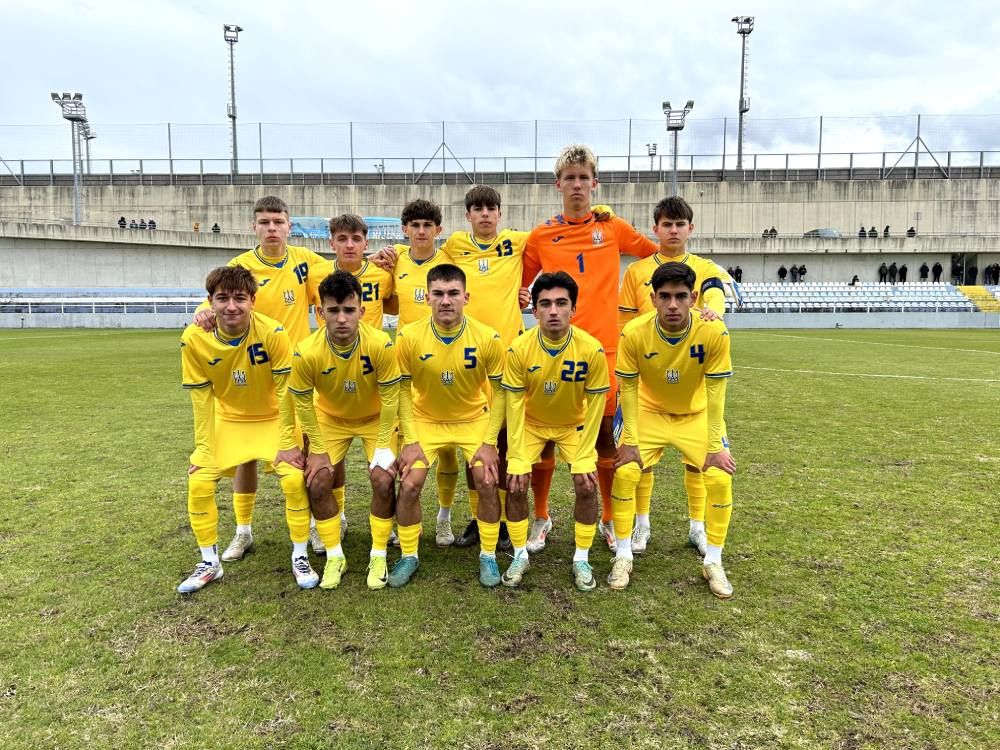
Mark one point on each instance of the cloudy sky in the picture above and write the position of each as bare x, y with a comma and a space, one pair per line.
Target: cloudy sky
313, 66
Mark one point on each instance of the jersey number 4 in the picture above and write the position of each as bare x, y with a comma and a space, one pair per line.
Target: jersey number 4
698, 353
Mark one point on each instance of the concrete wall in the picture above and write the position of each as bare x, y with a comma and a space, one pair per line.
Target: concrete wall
946, 207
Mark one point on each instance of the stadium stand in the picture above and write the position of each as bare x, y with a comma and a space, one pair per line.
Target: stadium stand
918, 296
109, 300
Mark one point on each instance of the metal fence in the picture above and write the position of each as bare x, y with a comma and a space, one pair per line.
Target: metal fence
516, 151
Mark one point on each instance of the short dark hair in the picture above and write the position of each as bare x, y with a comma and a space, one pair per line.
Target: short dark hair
338, 286
271, 204
231, 279
349, 223
420, 210
673, 207
482, 195
673, 273
445, 272
557, 280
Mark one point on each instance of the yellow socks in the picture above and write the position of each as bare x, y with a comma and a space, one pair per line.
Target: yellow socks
338, 496
293, 486
489, 535
474, 503
447, 477
694, 484
643, 493
719, 505
381, 529
203, 512
243, 503
409, 539
584, 534
518, 534
623, 491
329, 532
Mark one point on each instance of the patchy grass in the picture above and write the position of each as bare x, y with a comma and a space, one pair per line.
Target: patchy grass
863, 551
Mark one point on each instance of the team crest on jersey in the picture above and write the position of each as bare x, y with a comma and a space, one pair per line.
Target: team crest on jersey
484, 265
240, 377
549, 388
419, 295
447, 378
598, 236
673, 376
350, 386
289, 297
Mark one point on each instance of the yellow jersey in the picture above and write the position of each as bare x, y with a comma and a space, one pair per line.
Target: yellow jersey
286, 286
636, 285
239, 371
493, 278
449, 372
672, 368
557, 378
410, 281
345, 381
376, 286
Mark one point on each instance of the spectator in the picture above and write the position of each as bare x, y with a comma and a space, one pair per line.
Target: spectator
924, 270
861, 233
730, 271
196, 227
782, 273
133, 224
151, 224
892, 272
215, 228
885, 232
142, 223
911, 232
902, 274
937, 269
854, 281
970, 275
773, 233
122, 223
795, 274
764, 233
802, 273
872, 233
996, 273
882, 273
738, 274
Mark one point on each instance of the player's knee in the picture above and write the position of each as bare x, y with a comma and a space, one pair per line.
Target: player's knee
630, 472
583, 489
409, 488
718, 484
382, 482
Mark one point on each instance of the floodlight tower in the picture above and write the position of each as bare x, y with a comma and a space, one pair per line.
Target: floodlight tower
231, 33
744, 27
675, 124
88, 134
73, 110
651, 150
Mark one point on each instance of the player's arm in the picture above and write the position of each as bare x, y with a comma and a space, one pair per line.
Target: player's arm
390, 305
628, 303
513, 384
627, 371
411, 448
713, 294
531, 261
631, 241
389, 379
596, 385
279, 348
199, 387
487, 453
717, 373
387, 257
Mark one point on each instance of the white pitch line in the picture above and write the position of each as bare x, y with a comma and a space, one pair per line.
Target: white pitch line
867, 343
70, 335
871, 375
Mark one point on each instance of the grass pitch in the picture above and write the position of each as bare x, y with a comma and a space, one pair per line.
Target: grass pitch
863, 551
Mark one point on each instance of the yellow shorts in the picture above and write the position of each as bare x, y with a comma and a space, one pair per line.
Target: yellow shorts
338, 434
434, 436
237, 443
688, 433
566, 439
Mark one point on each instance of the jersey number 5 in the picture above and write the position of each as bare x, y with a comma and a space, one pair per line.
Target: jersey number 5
470, 358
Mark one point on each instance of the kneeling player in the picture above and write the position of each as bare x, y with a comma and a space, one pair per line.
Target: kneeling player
351, 369
672, 367
237, 377
444, 402
556, 375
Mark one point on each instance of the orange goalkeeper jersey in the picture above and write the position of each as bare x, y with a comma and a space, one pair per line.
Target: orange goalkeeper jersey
589, 251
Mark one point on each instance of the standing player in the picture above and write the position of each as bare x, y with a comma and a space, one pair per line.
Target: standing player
589, 251
448, 362
673, 225
673, 367
345, 382
349, 241
287, 279
556, 376
237, 377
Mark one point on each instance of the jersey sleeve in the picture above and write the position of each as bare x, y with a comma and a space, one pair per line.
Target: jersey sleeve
494, 358
628, 301
626, 365
713, 288
598, 380
631, 241
531, 262
386, 365
280, 351
192, 373
319, 269
402, 348
302, 380
719, 363
513, 370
